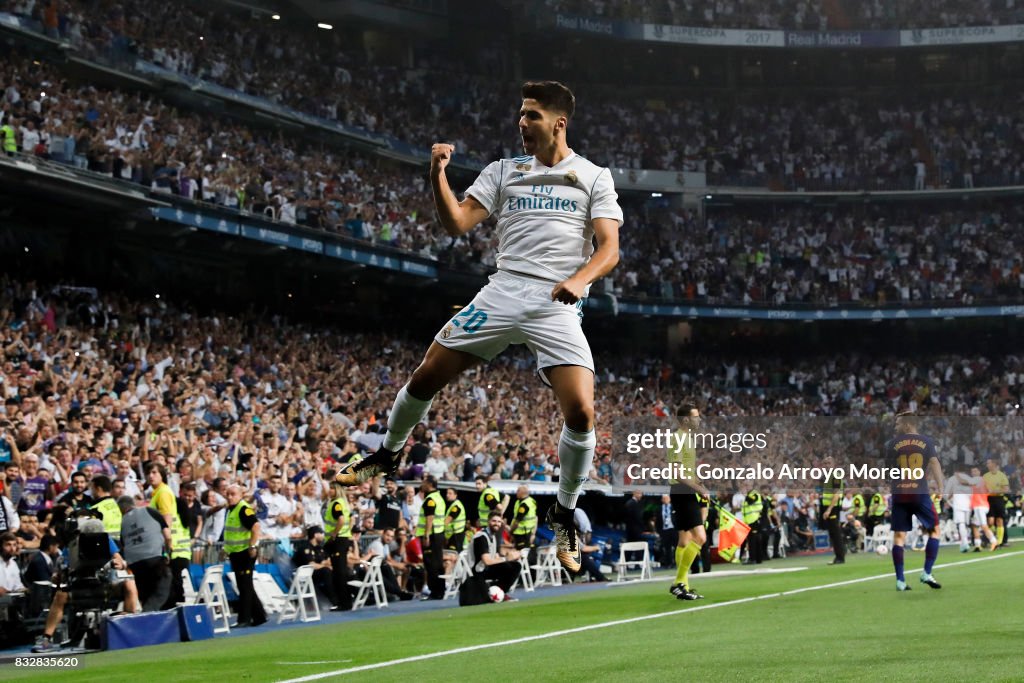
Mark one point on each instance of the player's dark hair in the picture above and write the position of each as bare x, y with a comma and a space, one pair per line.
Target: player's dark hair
494, 513
102, 482
551, 95
685, 409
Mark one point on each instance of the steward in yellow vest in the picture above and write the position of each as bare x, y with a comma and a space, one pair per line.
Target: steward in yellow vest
454, 522
524, 519
241, 543
337, 516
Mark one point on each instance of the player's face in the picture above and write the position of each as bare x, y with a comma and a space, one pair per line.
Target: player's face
537, 126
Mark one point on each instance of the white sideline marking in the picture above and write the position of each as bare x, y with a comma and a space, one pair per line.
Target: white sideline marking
709, 575
620, 622
325, 661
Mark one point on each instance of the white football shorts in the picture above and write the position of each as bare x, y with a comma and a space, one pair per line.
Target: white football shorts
515, 309
979, 516
961, 516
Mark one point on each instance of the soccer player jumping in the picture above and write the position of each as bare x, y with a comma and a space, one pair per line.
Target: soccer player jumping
910, 498
551, 204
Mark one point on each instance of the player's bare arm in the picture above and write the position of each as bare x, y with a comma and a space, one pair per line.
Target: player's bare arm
604, 259
935, 470
456, 217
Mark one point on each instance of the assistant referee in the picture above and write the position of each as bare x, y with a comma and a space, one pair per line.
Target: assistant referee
689, 504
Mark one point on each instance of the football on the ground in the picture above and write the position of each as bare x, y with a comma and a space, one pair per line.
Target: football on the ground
882, 549
497, 595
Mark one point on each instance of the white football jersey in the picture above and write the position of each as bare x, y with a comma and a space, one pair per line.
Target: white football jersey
545, 214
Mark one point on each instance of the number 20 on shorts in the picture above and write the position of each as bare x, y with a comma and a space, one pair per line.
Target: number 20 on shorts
470, 319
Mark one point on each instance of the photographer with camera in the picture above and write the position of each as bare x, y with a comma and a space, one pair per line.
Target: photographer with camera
116, 588
146, 539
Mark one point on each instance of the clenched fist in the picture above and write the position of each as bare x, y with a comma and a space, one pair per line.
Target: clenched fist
440, 155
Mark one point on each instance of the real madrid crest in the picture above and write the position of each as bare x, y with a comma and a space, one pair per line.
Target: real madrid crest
447, 331
522, 167
571, 177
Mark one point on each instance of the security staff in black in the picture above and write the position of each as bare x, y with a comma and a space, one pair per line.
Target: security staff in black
524, 519
430, 530
454, 522
337, 517
876, 512
489, 501
241, 543
772, 535
146, 540
831, 503
752, 507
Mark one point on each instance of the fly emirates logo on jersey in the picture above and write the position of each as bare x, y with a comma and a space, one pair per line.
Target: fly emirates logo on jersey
532, 197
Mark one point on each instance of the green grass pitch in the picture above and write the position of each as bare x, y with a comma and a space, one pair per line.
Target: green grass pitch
970, 630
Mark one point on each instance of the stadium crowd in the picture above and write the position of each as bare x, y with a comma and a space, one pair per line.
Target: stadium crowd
827, 256
952, 139
809, 15
793, 256
90, 376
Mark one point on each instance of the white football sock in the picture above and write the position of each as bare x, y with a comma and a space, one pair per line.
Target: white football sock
964, 538
575, 456
407, 412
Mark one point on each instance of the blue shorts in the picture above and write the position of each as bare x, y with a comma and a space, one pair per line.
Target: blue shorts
907, 506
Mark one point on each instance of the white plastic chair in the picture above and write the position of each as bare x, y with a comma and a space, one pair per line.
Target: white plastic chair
454, 580
644, 563
294, 604
882, 534
547, 569
525, 578
269, 593
188, 588
372, 582
211, 593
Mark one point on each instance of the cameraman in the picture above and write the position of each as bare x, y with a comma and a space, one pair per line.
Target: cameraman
146, 538
124, 589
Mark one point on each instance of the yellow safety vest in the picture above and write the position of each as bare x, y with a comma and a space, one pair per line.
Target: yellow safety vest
181, 545
236, 536
528, 524
181, 542
483, 510
343, 523
832, 487
111, 515
937, 502
458, 523
438, 525
878, 505
859, 508
752, 508
10, 139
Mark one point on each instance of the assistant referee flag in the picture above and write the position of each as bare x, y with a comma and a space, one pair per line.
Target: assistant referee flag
731, 534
